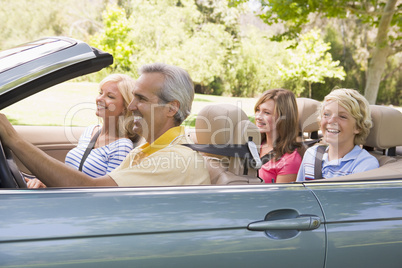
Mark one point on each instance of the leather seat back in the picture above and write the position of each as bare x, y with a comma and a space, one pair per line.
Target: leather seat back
308, 117
386, 133
224, 125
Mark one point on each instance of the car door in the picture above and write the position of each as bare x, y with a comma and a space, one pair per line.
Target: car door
199, 226
363, 221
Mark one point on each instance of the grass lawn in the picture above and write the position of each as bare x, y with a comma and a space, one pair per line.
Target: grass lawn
74, 104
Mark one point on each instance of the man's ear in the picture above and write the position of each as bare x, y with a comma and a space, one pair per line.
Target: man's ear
173, 108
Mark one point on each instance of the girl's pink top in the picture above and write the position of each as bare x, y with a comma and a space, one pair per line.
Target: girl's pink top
287, 164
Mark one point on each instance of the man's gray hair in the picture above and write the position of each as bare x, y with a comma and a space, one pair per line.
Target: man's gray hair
177, 85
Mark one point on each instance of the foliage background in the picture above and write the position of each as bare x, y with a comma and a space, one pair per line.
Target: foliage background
226, 49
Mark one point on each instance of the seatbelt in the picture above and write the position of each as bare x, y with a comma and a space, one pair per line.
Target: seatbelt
310, 142
247, 151
91, 145
318, 161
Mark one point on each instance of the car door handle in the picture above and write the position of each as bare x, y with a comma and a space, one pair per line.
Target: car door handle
300, 223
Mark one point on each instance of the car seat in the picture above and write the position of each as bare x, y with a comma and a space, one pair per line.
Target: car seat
308, 123
386, 133
224, 125
308, 117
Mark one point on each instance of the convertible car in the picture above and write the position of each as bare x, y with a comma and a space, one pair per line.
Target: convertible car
237, 221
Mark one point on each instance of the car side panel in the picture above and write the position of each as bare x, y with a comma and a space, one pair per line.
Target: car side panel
55, 141
364, 223
156, 227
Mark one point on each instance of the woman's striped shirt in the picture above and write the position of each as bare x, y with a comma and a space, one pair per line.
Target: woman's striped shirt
101, 160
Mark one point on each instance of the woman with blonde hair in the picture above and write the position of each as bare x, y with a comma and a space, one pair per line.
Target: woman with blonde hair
345, 121
276, 116
116, 135
101, 148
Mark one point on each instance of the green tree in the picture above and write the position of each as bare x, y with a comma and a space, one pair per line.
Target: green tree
382, 15
345, 47
115, 38
311, 62
176, 32
391, 87
253, 68
22, 21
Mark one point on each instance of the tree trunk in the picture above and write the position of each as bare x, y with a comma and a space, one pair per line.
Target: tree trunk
380, 54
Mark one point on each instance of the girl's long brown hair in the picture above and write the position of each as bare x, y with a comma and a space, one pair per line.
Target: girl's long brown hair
287, 115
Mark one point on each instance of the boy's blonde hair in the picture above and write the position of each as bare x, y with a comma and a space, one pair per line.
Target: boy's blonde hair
357, 106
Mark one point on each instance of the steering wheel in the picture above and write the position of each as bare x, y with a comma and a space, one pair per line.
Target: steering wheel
10, 176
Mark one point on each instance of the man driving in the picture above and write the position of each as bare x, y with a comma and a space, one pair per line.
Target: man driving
163, 95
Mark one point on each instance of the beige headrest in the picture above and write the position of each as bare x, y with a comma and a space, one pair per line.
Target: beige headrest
387, 127
216, 124
308, 115
244, 130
